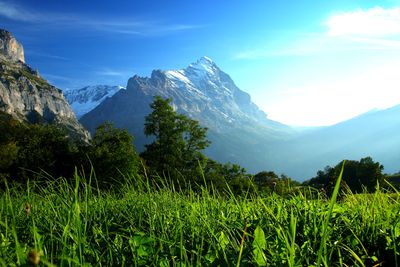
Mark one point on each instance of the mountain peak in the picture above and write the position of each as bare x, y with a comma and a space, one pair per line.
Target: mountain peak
203, 67
203, 62
10, 47
206, 60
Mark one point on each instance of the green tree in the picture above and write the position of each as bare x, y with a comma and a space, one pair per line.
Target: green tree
8, 156
322, 179
9, 129
357, 175
266, 179
178, 141
113, 155
222, 176
48, 149
27, 151
361, 174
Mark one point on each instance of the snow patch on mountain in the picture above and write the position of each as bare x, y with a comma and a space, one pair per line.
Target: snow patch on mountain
87, 98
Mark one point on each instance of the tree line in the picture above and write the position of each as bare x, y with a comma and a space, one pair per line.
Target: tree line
175, 157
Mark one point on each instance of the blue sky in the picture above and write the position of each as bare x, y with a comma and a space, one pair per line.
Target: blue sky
303, 62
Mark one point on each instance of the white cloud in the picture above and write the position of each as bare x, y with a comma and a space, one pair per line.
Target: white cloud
372, 22
360, 30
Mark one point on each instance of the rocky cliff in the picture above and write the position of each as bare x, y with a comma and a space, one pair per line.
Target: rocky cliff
10, 48
26, 96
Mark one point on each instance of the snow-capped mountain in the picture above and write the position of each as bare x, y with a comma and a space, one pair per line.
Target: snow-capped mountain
238, 129
212, 96
87, 98
206, 93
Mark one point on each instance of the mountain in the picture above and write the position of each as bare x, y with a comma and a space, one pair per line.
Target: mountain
26, 96
374, 134
240, 132
87, 98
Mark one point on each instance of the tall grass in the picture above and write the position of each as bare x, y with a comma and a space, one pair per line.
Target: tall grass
137, 226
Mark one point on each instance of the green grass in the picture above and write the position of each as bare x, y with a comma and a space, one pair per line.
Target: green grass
139, 226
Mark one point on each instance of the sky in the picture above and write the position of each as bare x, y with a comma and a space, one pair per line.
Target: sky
305, 63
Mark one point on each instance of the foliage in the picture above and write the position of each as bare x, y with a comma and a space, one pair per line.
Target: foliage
394, 181
228, 178
34, 150
112, 155
175, 151
268, 181
357, 176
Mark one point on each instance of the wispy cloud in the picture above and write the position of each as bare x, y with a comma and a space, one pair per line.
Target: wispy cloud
361, 30
14, 12
45, 55
52, 77
144, 27
111, 72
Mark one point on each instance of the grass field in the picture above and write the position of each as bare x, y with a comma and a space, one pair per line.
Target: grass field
77, 225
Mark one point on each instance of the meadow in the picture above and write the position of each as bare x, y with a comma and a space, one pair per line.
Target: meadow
59, 224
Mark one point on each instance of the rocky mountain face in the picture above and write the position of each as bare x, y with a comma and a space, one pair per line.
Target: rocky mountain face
240, 132
26, 96
87, 98
10, 48
205, 93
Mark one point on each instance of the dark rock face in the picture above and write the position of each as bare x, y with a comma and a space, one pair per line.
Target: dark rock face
26, 96
205, 93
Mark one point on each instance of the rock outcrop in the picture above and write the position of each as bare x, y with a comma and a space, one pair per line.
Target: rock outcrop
10, 48
26, 96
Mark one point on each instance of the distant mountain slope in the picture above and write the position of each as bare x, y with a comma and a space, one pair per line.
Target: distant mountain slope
87, 98
375, 134
26, 96
240, 132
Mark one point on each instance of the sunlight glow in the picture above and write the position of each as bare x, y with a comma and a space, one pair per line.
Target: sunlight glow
372, 22
330, 103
